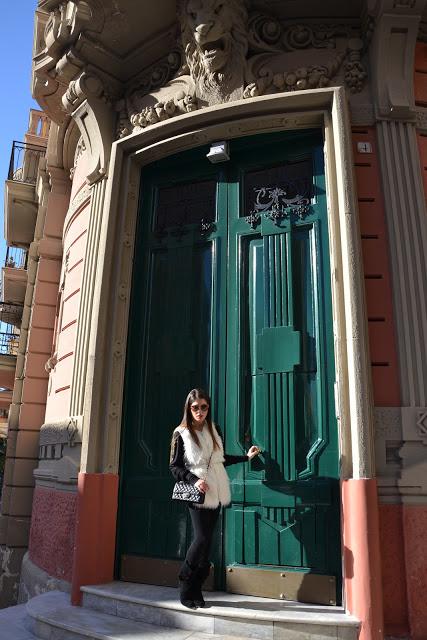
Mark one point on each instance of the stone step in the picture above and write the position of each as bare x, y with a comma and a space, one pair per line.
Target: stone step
225, 614
51, 617
13, 624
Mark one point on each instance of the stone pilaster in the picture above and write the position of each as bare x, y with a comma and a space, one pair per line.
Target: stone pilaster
392, 57
407, 226
403, 430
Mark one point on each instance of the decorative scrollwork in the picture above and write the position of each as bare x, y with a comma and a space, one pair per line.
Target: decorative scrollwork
278, 198
206, 226
276, 215
289, 213
253, 219
302, 211
192, 75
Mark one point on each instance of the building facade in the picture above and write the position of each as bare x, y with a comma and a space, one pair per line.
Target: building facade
230, 195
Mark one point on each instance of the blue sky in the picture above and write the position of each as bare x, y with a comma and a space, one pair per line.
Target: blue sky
16, 43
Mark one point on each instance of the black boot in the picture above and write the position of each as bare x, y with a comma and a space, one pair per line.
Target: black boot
187, 576
202, 573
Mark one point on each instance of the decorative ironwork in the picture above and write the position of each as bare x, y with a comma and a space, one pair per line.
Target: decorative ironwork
206, 226
276, 199
302, 211
24, 162
10, 315
280, 192
253, 219
10, 319
276, 215
9, 343
16, 258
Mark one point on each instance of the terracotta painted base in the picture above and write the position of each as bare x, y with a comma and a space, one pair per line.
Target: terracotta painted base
362, 565
95, 531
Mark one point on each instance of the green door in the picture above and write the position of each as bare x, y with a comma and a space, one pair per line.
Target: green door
231, 292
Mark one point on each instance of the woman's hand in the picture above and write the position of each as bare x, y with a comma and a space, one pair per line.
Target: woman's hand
253, 451
202, 486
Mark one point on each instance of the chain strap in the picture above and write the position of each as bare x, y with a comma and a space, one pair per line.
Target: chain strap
207, 468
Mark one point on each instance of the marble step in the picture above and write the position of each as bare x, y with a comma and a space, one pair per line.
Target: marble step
13, 624
225, 614
51, 617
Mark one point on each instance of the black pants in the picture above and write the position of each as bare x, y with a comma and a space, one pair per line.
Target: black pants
203, 521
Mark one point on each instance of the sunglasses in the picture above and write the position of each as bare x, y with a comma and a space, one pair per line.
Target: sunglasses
202, 407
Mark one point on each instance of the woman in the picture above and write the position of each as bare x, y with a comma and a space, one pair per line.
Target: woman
197, 456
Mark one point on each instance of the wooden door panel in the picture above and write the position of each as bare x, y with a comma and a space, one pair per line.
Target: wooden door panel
169, 352
231, 291
285, 508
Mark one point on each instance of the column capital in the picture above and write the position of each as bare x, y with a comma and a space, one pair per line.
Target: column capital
392, 56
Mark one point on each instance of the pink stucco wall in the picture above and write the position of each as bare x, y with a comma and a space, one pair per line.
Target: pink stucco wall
52, 531
74, 242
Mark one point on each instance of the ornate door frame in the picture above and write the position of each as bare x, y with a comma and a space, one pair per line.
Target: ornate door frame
322, 107
325, 108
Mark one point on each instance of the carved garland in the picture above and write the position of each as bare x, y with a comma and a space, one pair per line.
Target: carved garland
268, 40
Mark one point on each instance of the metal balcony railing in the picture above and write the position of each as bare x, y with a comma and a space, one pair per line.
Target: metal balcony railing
9, 343
16, 258
10, 316
24, 162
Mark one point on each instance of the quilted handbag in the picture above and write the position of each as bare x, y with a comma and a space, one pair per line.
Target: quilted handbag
187, 492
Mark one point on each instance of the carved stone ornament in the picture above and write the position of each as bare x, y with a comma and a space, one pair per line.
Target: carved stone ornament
229, 54
58, 58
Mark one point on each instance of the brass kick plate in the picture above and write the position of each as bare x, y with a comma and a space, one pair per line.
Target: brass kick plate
163, 573
281, 584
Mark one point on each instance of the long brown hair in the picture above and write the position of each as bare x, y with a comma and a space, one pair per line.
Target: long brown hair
187, 418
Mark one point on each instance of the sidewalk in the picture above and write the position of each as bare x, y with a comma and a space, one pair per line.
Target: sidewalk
12, 624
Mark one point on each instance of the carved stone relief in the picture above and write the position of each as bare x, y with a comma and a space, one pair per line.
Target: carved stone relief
229, 54
59, 452
388, 440
401, 462
80, 149
413, 480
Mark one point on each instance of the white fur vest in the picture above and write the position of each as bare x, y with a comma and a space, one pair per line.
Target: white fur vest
196, 460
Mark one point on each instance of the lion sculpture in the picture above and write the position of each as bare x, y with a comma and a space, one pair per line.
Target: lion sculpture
215, 43
216, 37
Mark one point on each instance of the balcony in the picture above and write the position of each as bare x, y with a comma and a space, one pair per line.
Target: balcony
20, 193
9, 342
14, 277
10, 314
